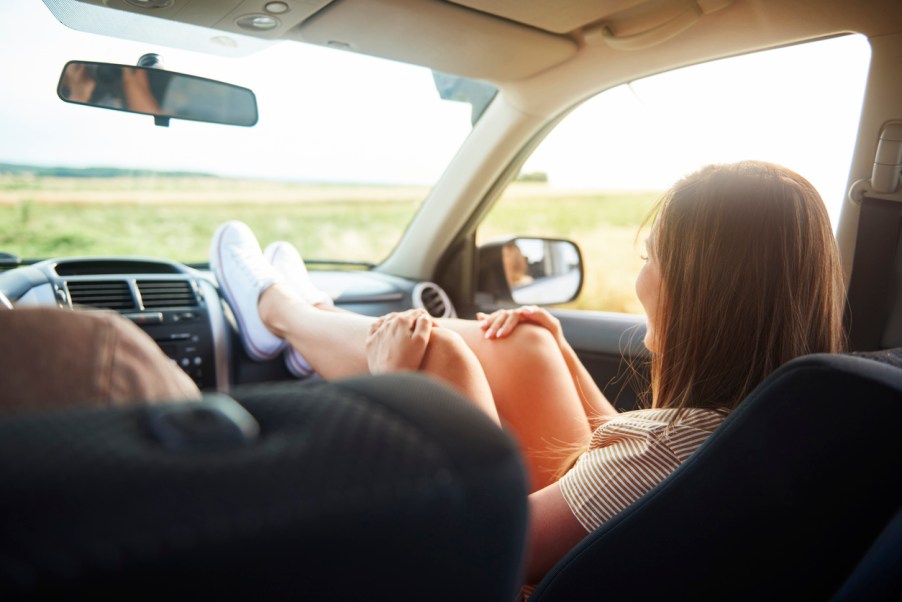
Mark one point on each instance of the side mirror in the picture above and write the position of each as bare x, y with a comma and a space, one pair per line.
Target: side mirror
153, 91
529, 271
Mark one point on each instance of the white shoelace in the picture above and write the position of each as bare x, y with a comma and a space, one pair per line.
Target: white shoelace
255, 267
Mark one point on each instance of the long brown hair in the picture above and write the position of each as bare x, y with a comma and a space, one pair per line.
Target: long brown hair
750, 278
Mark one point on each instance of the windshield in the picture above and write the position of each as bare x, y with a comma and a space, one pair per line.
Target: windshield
345, 149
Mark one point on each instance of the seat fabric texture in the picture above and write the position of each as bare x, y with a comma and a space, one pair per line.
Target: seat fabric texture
390, 487
782, 502
879, 574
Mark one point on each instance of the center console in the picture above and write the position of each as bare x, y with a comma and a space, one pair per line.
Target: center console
177, 306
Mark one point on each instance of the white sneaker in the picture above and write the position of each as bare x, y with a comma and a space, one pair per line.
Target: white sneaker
296, 364
243, 274
285, 258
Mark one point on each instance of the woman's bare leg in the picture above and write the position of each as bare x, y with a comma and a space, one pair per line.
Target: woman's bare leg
533, 391
449, 359
332, 341
526, 372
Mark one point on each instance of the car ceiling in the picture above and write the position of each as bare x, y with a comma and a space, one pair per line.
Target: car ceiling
510, 40
544, 55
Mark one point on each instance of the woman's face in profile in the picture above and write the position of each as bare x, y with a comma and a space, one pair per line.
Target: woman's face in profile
648, 289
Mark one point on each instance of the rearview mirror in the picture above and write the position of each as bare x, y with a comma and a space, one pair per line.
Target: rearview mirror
529, 271
153, 91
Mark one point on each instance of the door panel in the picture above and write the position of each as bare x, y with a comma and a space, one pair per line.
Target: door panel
610, 347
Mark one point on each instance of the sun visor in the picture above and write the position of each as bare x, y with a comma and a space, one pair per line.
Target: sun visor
439, 35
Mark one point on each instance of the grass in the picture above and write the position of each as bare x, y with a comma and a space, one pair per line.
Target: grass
175, 218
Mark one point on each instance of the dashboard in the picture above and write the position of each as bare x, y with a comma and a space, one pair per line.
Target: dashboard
180, 308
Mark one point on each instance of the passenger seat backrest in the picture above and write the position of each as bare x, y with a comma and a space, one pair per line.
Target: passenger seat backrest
389, 487
781, 502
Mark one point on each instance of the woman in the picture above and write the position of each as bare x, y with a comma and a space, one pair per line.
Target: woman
742, 275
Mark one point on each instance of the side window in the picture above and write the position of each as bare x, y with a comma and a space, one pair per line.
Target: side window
599, 172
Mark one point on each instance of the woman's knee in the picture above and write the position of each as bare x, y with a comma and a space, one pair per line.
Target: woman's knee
520, 353
534, 341
536, 335
446, 345
449, 359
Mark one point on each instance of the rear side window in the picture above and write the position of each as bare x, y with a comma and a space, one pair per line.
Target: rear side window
597, 174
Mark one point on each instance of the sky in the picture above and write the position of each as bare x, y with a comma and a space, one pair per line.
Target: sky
328, 115
798, 106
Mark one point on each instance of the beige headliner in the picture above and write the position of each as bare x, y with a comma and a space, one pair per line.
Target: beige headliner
514, 40
544, 54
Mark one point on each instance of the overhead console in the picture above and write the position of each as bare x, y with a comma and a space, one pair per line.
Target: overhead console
180, 21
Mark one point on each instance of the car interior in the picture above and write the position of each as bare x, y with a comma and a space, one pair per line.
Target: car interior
393, 486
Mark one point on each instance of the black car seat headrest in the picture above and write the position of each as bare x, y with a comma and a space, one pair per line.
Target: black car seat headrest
387, 485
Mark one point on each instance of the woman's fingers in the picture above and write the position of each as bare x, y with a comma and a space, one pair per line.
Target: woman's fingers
541, 317
422, 327
501, 323
507, 325
376, 325
382, 321
414, 319
398, 342
491, 323
397, 322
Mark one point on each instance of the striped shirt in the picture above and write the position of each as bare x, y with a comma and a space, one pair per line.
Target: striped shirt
628, 455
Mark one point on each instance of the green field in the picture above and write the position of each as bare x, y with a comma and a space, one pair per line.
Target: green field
175, 217
354, 231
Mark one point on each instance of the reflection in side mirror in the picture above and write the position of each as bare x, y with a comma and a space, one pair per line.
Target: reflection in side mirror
529, 271
153, 91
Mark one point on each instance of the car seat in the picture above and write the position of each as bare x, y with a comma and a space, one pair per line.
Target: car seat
389, 487
793, 497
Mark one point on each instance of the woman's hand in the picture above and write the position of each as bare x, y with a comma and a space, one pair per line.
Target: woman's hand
397, 341
501, 323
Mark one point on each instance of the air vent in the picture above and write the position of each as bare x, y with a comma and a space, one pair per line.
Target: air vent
108, 294
156, 294
433, 299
